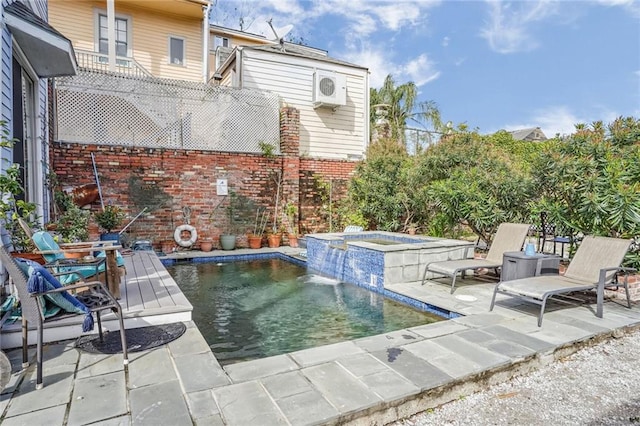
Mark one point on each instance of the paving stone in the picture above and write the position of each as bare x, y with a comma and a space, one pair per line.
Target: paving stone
438, 329
286, 384
415, 369
481, 320
58, 384
96, 364
159, 404
98, 397
202, 404
362, 364
495, 344
117, 421
387, 340
47, 416
525, 340
552, 332
483, 358
247, 404
589, 326
325, 353
307, 408
340, 388
59, 354
200, 371
452, 363
151, 367
191, 342
389, 385
251, 370
214, 420
300, 402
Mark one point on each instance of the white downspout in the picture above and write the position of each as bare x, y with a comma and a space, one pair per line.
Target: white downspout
111, 28
205, 42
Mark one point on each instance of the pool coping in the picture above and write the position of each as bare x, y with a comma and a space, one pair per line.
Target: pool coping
372, 380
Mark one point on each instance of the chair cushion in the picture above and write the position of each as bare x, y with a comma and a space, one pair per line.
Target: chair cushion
44, 241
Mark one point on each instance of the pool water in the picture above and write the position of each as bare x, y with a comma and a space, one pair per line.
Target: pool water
255, 309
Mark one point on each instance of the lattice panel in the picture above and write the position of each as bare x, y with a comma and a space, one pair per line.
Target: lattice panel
106, 109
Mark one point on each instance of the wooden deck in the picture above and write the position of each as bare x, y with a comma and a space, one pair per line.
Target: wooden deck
149, 296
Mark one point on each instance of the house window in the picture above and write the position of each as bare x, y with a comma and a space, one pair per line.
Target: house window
220, 41
176, 51
122, 35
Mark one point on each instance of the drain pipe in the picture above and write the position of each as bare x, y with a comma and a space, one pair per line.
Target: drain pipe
205, 42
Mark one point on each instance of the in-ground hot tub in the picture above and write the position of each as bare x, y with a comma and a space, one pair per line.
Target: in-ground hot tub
378, 259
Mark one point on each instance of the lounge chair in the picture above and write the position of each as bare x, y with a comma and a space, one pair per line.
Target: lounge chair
509, 237
54, 255
594, 266
34, 284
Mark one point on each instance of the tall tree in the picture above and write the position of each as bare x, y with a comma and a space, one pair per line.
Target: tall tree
403, 109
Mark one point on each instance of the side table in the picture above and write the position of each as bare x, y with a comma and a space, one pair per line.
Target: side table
516, 265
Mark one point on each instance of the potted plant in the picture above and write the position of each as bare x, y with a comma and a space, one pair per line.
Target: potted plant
289, 213
206, 243
108, 219
255, 239
275, 237
228, 238
12, 207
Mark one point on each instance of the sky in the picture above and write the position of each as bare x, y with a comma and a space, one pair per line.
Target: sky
488, 64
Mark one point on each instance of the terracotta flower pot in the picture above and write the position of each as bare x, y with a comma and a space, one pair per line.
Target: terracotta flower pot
293, 240
255, 241
274, 240
206, 245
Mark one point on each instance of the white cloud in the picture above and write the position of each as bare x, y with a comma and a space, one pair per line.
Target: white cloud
445, 41
632, 6
376, 61
552, 120
508, 29
560, 119
420, 70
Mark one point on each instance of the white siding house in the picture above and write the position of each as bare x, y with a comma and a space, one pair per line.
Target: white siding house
32, 52
329, 128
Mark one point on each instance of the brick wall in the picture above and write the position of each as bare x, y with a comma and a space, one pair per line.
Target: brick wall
136, 177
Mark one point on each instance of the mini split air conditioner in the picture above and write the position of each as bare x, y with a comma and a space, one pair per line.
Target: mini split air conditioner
329, 89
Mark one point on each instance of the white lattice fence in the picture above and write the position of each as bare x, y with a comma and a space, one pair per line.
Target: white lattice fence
107, 109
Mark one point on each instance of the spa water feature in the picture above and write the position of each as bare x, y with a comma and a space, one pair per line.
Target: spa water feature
378, 259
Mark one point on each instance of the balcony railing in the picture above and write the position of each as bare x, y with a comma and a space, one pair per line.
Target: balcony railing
100, 62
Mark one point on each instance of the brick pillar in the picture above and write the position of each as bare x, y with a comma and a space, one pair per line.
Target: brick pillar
290, 149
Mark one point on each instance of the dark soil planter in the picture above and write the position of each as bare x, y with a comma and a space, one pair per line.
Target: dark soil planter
110, 236
228, 242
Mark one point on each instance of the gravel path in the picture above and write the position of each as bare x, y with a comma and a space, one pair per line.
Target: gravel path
599, 385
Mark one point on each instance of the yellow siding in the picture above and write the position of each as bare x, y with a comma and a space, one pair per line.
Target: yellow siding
150, 31
75, 21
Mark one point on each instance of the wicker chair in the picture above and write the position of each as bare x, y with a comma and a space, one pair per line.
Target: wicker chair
95, 297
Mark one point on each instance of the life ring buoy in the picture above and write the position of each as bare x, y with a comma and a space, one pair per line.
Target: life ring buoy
177, 235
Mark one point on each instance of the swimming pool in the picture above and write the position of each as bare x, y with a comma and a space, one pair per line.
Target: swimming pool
260, 308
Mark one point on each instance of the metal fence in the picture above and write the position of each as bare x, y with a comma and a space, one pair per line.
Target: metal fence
109, 109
